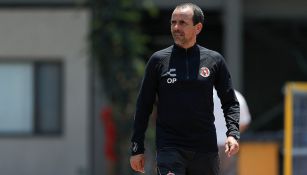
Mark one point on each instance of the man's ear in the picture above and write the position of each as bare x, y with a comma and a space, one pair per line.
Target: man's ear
199, 27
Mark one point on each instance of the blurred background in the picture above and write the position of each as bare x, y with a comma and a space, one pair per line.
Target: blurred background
70, 72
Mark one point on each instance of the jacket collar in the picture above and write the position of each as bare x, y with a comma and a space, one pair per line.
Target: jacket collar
188, 50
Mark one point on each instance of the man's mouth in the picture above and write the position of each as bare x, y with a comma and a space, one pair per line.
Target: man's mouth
178, 34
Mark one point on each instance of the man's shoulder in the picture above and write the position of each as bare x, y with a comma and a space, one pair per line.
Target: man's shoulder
160, 56
163, 52
209, 53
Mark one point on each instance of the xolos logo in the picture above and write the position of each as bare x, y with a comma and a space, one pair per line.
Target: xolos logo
204, 72
172, 74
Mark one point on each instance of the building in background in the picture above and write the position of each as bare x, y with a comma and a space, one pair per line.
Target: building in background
44, 92
49, 113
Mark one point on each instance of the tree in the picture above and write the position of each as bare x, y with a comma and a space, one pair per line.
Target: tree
118, 46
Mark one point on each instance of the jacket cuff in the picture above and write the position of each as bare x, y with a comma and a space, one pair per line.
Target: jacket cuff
235, 135
137, 148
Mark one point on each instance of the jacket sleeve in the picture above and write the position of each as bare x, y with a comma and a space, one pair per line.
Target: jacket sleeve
144, 106
230, 104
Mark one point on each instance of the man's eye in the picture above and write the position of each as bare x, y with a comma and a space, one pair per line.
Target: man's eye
182, 22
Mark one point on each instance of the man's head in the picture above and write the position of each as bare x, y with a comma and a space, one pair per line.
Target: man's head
186, 23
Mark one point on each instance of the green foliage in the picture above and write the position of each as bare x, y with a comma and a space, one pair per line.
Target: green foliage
118, 46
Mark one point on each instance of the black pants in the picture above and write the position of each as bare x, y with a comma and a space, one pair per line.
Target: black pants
174, 161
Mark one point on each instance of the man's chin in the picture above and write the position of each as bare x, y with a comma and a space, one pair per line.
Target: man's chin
181, 44
177, 40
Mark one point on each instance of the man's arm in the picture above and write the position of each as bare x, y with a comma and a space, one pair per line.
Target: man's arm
230, 106
144, 106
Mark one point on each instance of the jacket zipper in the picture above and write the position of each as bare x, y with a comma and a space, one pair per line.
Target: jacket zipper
187, 63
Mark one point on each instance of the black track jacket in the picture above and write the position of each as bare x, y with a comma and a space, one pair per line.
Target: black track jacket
183, 81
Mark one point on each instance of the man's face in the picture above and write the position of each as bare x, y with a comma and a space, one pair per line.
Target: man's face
183, 30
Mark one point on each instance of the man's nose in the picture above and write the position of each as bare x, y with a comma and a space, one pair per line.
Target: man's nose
175, 25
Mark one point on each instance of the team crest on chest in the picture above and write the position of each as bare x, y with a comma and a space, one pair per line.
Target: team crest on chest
204, 72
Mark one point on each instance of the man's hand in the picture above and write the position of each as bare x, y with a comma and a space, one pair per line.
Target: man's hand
231, 146
137, 162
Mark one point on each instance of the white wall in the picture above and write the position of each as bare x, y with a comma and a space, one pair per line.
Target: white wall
50, 33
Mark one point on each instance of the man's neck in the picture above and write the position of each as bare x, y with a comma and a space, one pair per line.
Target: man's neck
186, 46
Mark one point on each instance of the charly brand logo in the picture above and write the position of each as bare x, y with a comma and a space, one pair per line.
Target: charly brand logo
172, 76
134, 146
204, 72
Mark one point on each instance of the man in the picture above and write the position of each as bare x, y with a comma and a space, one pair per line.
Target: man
182, 76
228, 165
